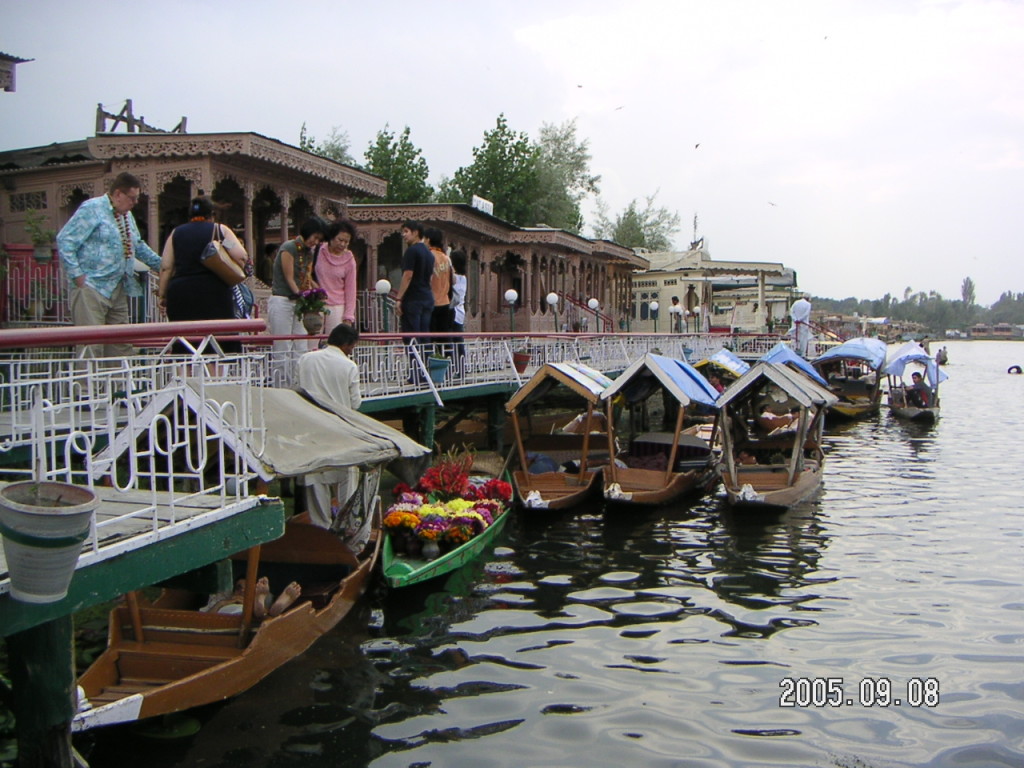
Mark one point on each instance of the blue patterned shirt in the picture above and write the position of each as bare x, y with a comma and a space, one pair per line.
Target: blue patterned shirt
90, 244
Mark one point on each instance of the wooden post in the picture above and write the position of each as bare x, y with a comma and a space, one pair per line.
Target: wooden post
43, 684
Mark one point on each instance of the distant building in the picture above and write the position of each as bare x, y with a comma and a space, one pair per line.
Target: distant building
8, 64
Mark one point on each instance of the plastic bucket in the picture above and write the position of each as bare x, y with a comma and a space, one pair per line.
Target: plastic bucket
520, 360
44, 525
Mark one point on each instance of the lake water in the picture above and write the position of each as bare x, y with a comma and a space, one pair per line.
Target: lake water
667, 638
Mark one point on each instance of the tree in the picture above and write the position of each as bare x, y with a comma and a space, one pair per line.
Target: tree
564, 177
504, 170
334, 147
967, 291
651, 228
400, 162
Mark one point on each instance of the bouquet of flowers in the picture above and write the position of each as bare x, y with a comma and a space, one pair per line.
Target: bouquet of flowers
311, 300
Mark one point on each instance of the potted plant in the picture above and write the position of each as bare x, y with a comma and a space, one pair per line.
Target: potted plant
311, 306
42, 238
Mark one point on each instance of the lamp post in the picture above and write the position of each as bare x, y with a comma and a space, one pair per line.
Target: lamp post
696, 319
512, 296
383, 288
594, 304
676, 321
654, 314
552, 300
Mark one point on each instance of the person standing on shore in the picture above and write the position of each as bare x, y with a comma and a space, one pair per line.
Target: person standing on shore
440, 283
415, 299
800, 312
98, 248
336, 273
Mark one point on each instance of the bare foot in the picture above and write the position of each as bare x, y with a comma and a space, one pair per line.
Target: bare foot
285, 599
259, 609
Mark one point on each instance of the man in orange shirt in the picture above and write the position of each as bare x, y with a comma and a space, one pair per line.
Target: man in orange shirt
440, 283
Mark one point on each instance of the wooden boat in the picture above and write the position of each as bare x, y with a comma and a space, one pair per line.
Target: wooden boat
768, 467
853, 371
690, 466
903, 400
784, 355
725, 365
558, 490
403, 571
168, 656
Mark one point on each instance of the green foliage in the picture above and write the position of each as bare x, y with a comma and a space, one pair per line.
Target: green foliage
564, 177
505, 170
400, 162
334, 147
35, 225
652, 227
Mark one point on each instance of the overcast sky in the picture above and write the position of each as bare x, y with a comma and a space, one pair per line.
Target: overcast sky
869, 145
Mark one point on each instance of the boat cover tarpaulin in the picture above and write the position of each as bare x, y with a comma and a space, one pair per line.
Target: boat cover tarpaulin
801, 389
679, 378
912, 352
584, 381
302, 437
871, 351
780, 353
723, 358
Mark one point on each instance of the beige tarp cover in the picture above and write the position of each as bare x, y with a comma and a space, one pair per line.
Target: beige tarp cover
302, 437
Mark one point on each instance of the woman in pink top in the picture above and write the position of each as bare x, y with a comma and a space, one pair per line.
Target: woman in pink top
336, 274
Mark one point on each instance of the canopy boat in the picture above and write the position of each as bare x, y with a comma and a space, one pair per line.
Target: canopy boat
723, 364
784, 355
853, 371
771, 423
907, 401
170, 654
551, 488
660, 467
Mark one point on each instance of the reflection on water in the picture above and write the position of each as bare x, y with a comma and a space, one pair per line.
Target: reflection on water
662, 638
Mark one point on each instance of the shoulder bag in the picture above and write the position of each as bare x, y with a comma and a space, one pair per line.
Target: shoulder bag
216, 259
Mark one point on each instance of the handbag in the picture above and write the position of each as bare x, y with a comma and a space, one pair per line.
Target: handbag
216, 259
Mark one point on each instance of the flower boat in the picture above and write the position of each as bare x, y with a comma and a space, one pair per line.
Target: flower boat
771, 423
908, 402
446, 521
185, 648
551, 488
659, 467
853, 370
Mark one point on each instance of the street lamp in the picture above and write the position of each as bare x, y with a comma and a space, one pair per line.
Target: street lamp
383, 288
696, 319
594, 304
654, 314
552, 300
512, 296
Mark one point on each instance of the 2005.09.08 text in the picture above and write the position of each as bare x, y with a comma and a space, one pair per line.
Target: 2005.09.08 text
871, 692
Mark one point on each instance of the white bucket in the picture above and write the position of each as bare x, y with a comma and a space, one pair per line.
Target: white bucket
44, 525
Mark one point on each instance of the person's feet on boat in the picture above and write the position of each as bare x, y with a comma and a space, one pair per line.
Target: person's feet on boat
284, 601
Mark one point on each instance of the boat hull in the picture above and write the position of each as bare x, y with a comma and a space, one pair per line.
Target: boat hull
649, 488
403, 571
555, 490
914, 413
189, 658
769, 489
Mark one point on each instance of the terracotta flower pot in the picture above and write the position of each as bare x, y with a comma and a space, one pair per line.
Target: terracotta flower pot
313, 322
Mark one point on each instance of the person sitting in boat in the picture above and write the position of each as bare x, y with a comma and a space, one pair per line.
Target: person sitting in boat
746, 458
919, 393
232, 604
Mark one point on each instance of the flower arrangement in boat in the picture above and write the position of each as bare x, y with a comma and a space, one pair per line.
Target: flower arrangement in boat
311, 301
446, 506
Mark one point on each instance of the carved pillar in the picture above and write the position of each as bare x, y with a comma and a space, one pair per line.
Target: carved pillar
249, 190
761, 315
286, 204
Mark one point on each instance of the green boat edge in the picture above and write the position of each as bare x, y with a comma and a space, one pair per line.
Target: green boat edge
405, 571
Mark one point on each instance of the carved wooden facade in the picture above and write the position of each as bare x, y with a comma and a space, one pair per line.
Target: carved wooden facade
532, 261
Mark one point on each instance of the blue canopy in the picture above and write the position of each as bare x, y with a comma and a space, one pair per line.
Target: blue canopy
641, 379
912, 352
780, 353
727, 360
871, 351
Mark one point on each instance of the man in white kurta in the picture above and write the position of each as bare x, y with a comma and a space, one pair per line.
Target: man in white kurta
800, 313
330, 376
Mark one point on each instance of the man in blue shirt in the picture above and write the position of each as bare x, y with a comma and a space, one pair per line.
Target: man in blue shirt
98, 247
415, 296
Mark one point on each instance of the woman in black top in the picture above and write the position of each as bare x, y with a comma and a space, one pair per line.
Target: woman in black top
188, 290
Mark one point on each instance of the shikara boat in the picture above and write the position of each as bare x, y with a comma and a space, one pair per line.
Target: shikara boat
553, 489
771, 423
170, 655
725, 365
660, 467
403, 571
906, 402
853, 370
784, 355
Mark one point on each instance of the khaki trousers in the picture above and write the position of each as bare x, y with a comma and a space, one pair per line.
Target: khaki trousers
89, 307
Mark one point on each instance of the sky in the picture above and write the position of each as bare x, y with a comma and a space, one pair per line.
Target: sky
872, 146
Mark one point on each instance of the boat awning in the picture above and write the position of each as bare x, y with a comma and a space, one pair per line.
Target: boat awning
584, 381
797, 386
780, 353
727, 360
912, 352
302, 437
680, 379
871, 351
